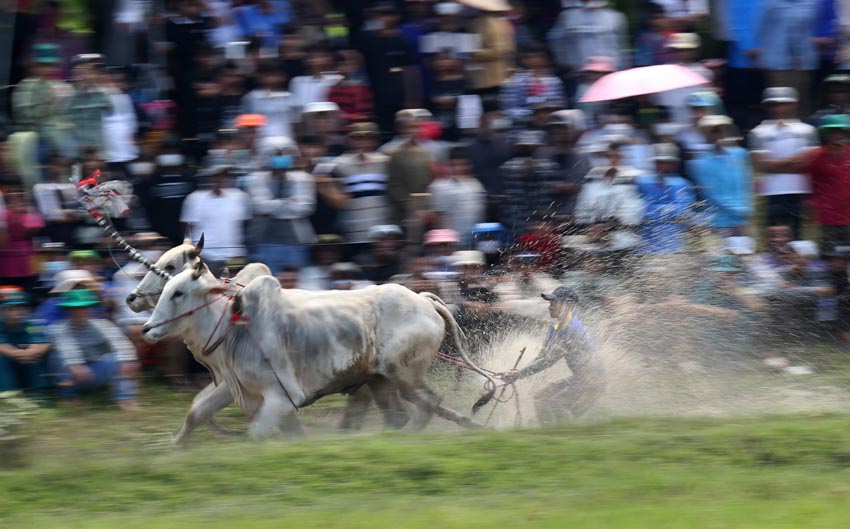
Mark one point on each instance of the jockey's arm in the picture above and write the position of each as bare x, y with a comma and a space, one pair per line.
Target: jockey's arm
546, 358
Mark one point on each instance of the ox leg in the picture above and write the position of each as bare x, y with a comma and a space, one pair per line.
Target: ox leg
209, 401
268, 421
386, 396
425, 401
356, 408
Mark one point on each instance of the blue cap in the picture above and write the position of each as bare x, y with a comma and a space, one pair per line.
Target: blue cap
563, 293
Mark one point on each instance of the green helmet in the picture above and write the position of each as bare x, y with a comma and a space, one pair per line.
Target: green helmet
835, 121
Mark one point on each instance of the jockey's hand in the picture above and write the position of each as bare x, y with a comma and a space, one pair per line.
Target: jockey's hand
510, 376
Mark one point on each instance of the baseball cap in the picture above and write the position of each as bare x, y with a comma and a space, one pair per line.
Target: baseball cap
469, 258
779, 94
562, 293
683, 41
441, 236
69, 279
835, 121
665, 152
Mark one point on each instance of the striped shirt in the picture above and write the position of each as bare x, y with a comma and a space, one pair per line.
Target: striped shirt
365, 183
80, 345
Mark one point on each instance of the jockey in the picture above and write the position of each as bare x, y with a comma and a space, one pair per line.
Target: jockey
568, 339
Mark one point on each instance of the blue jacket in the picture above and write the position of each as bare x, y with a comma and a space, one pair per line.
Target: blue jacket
726, 184
785, 32
665, 219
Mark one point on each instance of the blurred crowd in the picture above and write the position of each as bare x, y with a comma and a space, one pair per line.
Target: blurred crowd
437, 144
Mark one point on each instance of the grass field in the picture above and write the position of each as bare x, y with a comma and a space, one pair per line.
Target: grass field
99, 468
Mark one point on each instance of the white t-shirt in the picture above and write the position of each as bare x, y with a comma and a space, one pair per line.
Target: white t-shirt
782, 139
220, 219
462, 201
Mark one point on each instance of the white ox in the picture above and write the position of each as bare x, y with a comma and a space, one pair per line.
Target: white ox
299, 346
216, 396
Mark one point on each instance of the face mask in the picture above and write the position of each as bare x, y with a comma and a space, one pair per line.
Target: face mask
488, 247
51, 268
280, 162
169, 160
141, 168
665, 129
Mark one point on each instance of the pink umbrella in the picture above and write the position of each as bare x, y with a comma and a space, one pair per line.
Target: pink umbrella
640, 81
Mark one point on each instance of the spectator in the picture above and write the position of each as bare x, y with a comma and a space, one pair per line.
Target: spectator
743, 76
415, 276
593, 69
652, 38
786, 42
163, 194
221, 213
409, 171
90, 104
326, 251
487, 152
685, 52
534, 83
352, 94
119, 127
57, 201
283, 197
358, 184
264, 19
288, 277
460, 200
323, 121
836, 89
72, 279
93, 352
610, 197
17, 227
494, 59
316, 84
528, 183
347, 276
593, 29
829, 171
271, 100
668, 200
698, 105
391, 65
449, 36
836, 258
571, 166
292, 52
724, 176
684, 16
439, 246
23, 346
38, 102
774, 145
383, 259
448, 87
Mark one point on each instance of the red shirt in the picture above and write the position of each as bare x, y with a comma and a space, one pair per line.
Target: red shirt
830, 174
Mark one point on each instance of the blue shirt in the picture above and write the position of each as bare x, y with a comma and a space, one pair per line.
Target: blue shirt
785, 32
668, 204
725, 178
31, 331
567, 339
254, 22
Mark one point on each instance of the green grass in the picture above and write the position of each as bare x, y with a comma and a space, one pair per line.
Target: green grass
103, 469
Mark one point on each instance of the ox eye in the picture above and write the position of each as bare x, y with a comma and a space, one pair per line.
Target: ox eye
169, 268
176, 295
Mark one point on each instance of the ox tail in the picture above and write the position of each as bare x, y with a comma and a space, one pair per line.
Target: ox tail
462, 343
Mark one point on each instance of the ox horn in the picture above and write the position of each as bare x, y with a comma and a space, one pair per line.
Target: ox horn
200, 268
200, 246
